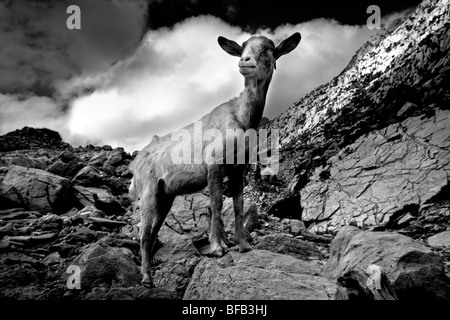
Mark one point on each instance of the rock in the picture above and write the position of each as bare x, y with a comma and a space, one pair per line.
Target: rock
98, 159
10, 197
98, 197
287, 244
81, 235
381, 175
100, 263
258, 275
413, 269
293, 226
42, 191
407, 109
176, 260
66, 169
115, 157
440, 240
190, 215
109, 224
370, 285
23, 160
89, 176
133, 293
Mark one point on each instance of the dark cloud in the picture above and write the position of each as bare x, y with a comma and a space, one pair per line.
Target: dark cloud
38, 49
252, 15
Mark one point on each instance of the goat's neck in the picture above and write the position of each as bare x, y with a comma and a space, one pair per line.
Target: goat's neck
252, 101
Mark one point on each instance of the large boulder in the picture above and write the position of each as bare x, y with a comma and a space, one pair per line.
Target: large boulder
41, 191
413, 269
260, 275
102, 264
381, 175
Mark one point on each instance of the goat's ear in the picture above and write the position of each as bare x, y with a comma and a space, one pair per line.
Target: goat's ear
230, 46
287, 45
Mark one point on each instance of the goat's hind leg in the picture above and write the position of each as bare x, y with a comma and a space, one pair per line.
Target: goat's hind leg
154, 209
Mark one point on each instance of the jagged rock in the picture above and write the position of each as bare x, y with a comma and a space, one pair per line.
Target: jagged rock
190, 215
23, 160
440, 240
115, 157
10, 197
89, 176
98, 159
380, 174
176, 260
42, 191
100, 263
387, 72
66, 169
287, 244
98, 197
293, 226
260, 275
413, 269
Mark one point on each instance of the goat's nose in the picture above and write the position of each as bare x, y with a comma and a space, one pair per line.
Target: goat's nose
245, 58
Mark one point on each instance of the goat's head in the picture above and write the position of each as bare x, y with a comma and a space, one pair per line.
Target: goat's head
258, 55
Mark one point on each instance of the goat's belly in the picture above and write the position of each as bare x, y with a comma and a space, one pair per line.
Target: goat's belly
187, 179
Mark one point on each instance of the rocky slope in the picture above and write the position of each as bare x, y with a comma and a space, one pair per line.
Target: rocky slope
370, 149
372, 145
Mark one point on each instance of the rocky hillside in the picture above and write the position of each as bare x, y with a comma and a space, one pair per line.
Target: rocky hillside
371, 147
359, 210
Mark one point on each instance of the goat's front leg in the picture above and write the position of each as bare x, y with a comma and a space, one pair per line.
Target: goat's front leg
237, 185
217, 233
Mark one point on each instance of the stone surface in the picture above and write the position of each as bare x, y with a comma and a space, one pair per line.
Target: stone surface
379, 175
101, 263
190, 215
41, 191
175, 263
413, 269
287, 244
260, 275
88, 176
440, 240
10, 197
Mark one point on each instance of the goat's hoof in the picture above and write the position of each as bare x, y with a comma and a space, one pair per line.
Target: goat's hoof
217, 253
147, 282
245, 248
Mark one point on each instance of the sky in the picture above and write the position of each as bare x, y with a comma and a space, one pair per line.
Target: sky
142, 67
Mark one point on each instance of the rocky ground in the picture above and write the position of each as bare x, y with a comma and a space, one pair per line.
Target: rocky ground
69, 207
364, 179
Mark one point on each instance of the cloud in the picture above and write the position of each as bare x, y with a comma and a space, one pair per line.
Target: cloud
110, 91
41, 49
179, 74
40, 112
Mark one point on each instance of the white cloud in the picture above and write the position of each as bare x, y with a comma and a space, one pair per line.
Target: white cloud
179, 74
39, 112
